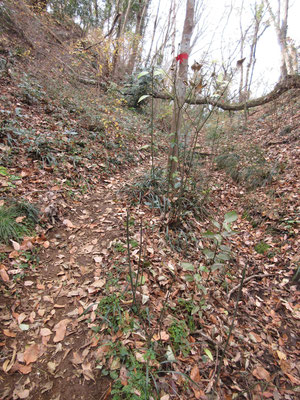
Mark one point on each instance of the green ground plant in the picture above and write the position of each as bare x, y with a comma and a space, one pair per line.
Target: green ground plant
261, 247
17, 220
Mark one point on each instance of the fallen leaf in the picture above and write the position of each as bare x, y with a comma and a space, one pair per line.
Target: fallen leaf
281, 355
16, 245
87, 371
140, 357
77, 358
164, 336
3, 273
20, 219
60, 329
24, 327
293, 379
45, 332
20, 393
8, 333
28, 283
68, 223
21, 317
261, 373
24, 369
46, 244
51, 367
32, 353
195, 374
99, 283
124, 376
46, 387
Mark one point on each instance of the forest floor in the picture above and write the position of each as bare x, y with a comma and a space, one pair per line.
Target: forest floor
70, 328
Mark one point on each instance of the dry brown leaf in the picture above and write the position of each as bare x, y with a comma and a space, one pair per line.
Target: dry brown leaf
281, 355
261, 373
16, 245
123, 375
68, 223
9, 333
51, 366
140, 357
45, 332
99, 283
293, 379
32, 353
46, 244
24, 369
164, 336
20, 219
60, 329
77, 358
87, 371
20, 393
21, 318
195, 374
3, 273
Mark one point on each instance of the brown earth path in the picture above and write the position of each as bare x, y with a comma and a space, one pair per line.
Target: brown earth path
57, 355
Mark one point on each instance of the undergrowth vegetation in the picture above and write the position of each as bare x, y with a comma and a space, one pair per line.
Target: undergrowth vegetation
17, 220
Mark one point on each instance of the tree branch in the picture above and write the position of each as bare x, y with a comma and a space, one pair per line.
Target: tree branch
291, 82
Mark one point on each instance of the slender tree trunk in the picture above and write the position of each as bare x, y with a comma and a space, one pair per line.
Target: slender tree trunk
159, 51
180, 90
115, 60
153, 34
96, 12
140, 25
280, 25
125, 20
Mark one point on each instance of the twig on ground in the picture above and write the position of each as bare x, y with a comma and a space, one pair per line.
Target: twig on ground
247, 280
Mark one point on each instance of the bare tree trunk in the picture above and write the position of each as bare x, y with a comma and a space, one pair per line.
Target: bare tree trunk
139, 30
259, 13
125, 18
281, 26
115, 59
153, 34
180, 89
159, 51
96, 12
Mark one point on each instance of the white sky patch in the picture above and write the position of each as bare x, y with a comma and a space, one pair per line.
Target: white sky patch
221, 34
